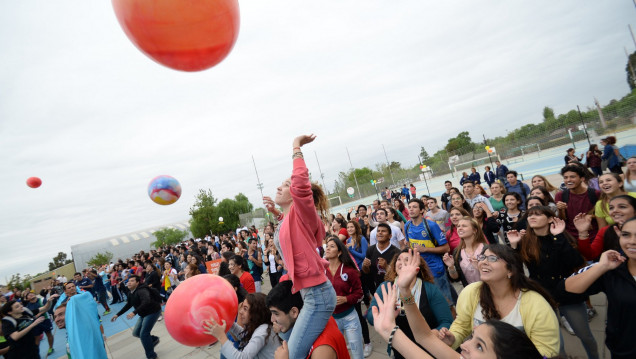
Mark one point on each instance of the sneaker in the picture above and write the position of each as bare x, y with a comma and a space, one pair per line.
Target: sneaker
160, 318
155, 342
106, 313
368, 349
567, 326
51, 350
591, 313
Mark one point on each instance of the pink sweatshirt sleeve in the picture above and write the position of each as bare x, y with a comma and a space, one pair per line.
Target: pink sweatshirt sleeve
304, 201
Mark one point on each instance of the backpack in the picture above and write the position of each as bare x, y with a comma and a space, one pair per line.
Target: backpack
428, 230
591, 194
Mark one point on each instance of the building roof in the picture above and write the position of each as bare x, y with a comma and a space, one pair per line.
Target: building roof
121, 246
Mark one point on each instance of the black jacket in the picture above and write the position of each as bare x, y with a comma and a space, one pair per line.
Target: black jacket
143, 300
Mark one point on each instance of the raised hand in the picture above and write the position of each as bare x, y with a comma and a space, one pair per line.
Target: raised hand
557, 227
611, 259
409, 271
582, 222
384, 313
302, 140
211, 327
514, 237
269, 204
449, 261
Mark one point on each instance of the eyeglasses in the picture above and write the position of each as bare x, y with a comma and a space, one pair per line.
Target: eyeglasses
491, 258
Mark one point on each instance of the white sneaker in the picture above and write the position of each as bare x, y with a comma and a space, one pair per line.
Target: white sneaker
368, 349
567, 326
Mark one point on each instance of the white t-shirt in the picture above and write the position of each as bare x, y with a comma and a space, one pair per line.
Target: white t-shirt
396, 236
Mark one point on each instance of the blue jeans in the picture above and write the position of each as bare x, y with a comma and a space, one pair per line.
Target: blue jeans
350, 326
444, 286
319, 303
576, 315
142, 331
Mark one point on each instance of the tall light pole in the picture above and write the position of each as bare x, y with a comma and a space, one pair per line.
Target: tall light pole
388, 164
322, 175
259, 185
354, 173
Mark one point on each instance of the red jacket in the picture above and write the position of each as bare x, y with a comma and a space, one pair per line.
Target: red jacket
593, 250
302, 232
350, 288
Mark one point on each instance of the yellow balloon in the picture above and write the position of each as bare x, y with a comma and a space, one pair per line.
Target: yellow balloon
487, 148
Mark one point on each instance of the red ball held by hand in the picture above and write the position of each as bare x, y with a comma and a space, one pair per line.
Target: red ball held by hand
190, 35
196, 300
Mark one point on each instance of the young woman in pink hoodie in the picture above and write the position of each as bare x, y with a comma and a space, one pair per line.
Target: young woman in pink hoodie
297, 237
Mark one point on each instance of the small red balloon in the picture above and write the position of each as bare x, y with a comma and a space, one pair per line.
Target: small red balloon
34, 182
196, 300
191, 35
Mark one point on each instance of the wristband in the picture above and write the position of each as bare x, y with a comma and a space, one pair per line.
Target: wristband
389, 348
297, 154
408, 300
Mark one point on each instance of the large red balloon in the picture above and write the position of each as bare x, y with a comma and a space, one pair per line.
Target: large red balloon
196, 300
186, 35
34, 182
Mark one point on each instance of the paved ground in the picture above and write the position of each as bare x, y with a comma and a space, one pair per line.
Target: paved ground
122, 345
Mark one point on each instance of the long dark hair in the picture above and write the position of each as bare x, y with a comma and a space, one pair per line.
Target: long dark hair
357, 236
530, 246
517, 196
394, 213
344, 256
610, 239
546, 194
518, 281
510, 342
259, 314
464, 213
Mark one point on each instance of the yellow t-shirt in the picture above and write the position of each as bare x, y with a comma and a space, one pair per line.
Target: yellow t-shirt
601, 212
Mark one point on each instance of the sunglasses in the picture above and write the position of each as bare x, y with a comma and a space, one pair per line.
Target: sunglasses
491, 258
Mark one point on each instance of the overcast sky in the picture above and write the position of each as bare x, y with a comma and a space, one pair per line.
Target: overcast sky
83, 109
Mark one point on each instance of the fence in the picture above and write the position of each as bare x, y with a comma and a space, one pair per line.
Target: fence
553, 131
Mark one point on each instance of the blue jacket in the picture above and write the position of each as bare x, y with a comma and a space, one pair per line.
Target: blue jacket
475, 177
501, 171
608, 153
489, 177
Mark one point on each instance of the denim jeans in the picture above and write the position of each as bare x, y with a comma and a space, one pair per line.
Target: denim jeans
349, 325
444, 286
142, 331
319, 303
576, 315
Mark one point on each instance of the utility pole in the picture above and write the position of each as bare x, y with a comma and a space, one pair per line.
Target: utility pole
584, 126
388, 164
600, 113
259, 185
631, 32
322, 175
354, 173
489, 158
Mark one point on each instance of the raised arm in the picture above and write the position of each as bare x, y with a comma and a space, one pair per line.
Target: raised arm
579, 283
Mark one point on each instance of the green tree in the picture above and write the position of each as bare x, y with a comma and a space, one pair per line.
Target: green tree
100, 258
59, 260
424, 156
461, 141
205, 213
629, 67
548, 114
17, 282
168, 236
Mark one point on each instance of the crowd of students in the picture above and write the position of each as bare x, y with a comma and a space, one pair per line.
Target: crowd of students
572, 240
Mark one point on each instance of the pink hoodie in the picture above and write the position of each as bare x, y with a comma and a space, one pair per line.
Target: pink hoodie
302, 232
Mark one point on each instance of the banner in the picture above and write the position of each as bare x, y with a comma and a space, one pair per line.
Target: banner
213, 266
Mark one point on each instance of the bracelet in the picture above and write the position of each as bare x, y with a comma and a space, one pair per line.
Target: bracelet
408, 300
297, 155
452, 270
389, 348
